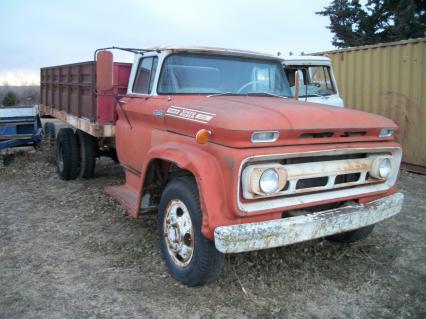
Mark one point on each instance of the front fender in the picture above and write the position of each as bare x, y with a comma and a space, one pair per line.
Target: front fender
207, 173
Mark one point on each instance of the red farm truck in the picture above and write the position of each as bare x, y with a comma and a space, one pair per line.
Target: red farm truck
215, 143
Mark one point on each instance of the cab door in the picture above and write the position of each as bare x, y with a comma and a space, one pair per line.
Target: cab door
139, 115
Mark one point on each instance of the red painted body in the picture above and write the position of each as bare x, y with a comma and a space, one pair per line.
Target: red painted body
70, 90
146, 132
107, 100
216, 165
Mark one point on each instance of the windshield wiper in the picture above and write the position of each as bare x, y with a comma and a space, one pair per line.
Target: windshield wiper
267, 93
222, 93
248, 94
314, 95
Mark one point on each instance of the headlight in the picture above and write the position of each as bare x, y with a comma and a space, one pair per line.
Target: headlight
386, 132
381, 168
263, 180
385, 168
269, 181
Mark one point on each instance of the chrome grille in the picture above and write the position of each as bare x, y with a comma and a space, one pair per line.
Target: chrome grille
318, 176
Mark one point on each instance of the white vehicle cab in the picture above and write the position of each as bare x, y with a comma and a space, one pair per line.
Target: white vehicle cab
316, 79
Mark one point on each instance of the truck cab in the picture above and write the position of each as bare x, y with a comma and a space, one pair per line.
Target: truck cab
316, 79
214, 142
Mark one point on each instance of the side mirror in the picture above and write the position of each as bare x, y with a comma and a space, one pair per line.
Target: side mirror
104, 70
296, 84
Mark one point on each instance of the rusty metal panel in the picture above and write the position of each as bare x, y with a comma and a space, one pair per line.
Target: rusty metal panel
388, 79
70, 88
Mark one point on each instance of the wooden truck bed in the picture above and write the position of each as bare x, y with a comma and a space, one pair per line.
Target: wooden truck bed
68, 93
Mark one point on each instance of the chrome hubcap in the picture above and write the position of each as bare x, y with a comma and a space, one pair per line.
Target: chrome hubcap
178, 232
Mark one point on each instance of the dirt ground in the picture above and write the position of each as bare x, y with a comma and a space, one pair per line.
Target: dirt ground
68, 251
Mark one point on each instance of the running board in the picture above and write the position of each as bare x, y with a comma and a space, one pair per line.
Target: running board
126, 197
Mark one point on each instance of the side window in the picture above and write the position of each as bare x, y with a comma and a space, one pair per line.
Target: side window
145, 75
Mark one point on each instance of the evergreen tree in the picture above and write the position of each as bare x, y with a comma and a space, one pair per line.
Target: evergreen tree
10, 99
377, 21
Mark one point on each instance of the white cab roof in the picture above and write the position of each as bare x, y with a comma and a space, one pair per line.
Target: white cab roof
306, 60
220, 51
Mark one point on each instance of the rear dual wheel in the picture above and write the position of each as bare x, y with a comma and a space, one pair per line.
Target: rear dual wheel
87, 153
75, 154
67, 157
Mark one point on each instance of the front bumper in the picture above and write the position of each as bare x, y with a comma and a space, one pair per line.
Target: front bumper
286, 231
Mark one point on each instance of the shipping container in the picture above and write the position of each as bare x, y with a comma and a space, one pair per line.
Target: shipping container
69, 93
388, 79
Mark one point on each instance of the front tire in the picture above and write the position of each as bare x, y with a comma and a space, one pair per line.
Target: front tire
190, 257
66, 154
353, 235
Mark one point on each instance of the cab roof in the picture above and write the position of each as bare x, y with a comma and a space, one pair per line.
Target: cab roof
219, 51
306, 60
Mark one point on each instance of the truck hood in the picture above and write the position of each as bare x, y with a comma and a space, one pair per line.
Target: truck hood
233, 119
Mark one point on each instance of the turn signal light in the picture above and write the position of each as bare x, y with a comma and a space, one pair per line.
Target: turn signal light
203, 136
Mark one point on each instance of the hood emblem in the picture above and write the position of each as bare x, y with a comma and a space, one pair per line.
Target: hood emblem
190, 114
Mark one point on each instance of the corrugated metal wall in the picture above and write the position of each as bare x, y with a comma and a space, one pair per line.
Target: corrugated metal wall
388, 79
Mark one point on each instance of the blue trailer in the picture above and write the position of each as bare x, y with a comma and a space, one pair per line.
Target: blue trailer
20, 126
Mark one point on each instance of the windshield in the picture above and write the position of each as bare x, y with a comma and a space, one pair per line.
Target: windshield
314, 80
214, 74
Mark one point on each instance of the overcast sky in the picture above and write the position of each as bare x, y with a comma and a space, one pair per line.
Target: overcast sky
36, 33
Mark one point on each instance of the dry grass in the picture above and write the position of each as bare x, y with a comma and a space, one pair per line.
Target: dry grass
68, 250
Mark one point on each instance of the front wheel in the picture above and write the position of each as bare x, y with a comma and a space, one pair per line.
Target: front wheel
189, 256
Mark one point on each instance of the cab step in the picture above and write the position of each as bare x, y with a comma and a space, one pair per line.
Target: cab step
126, 196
